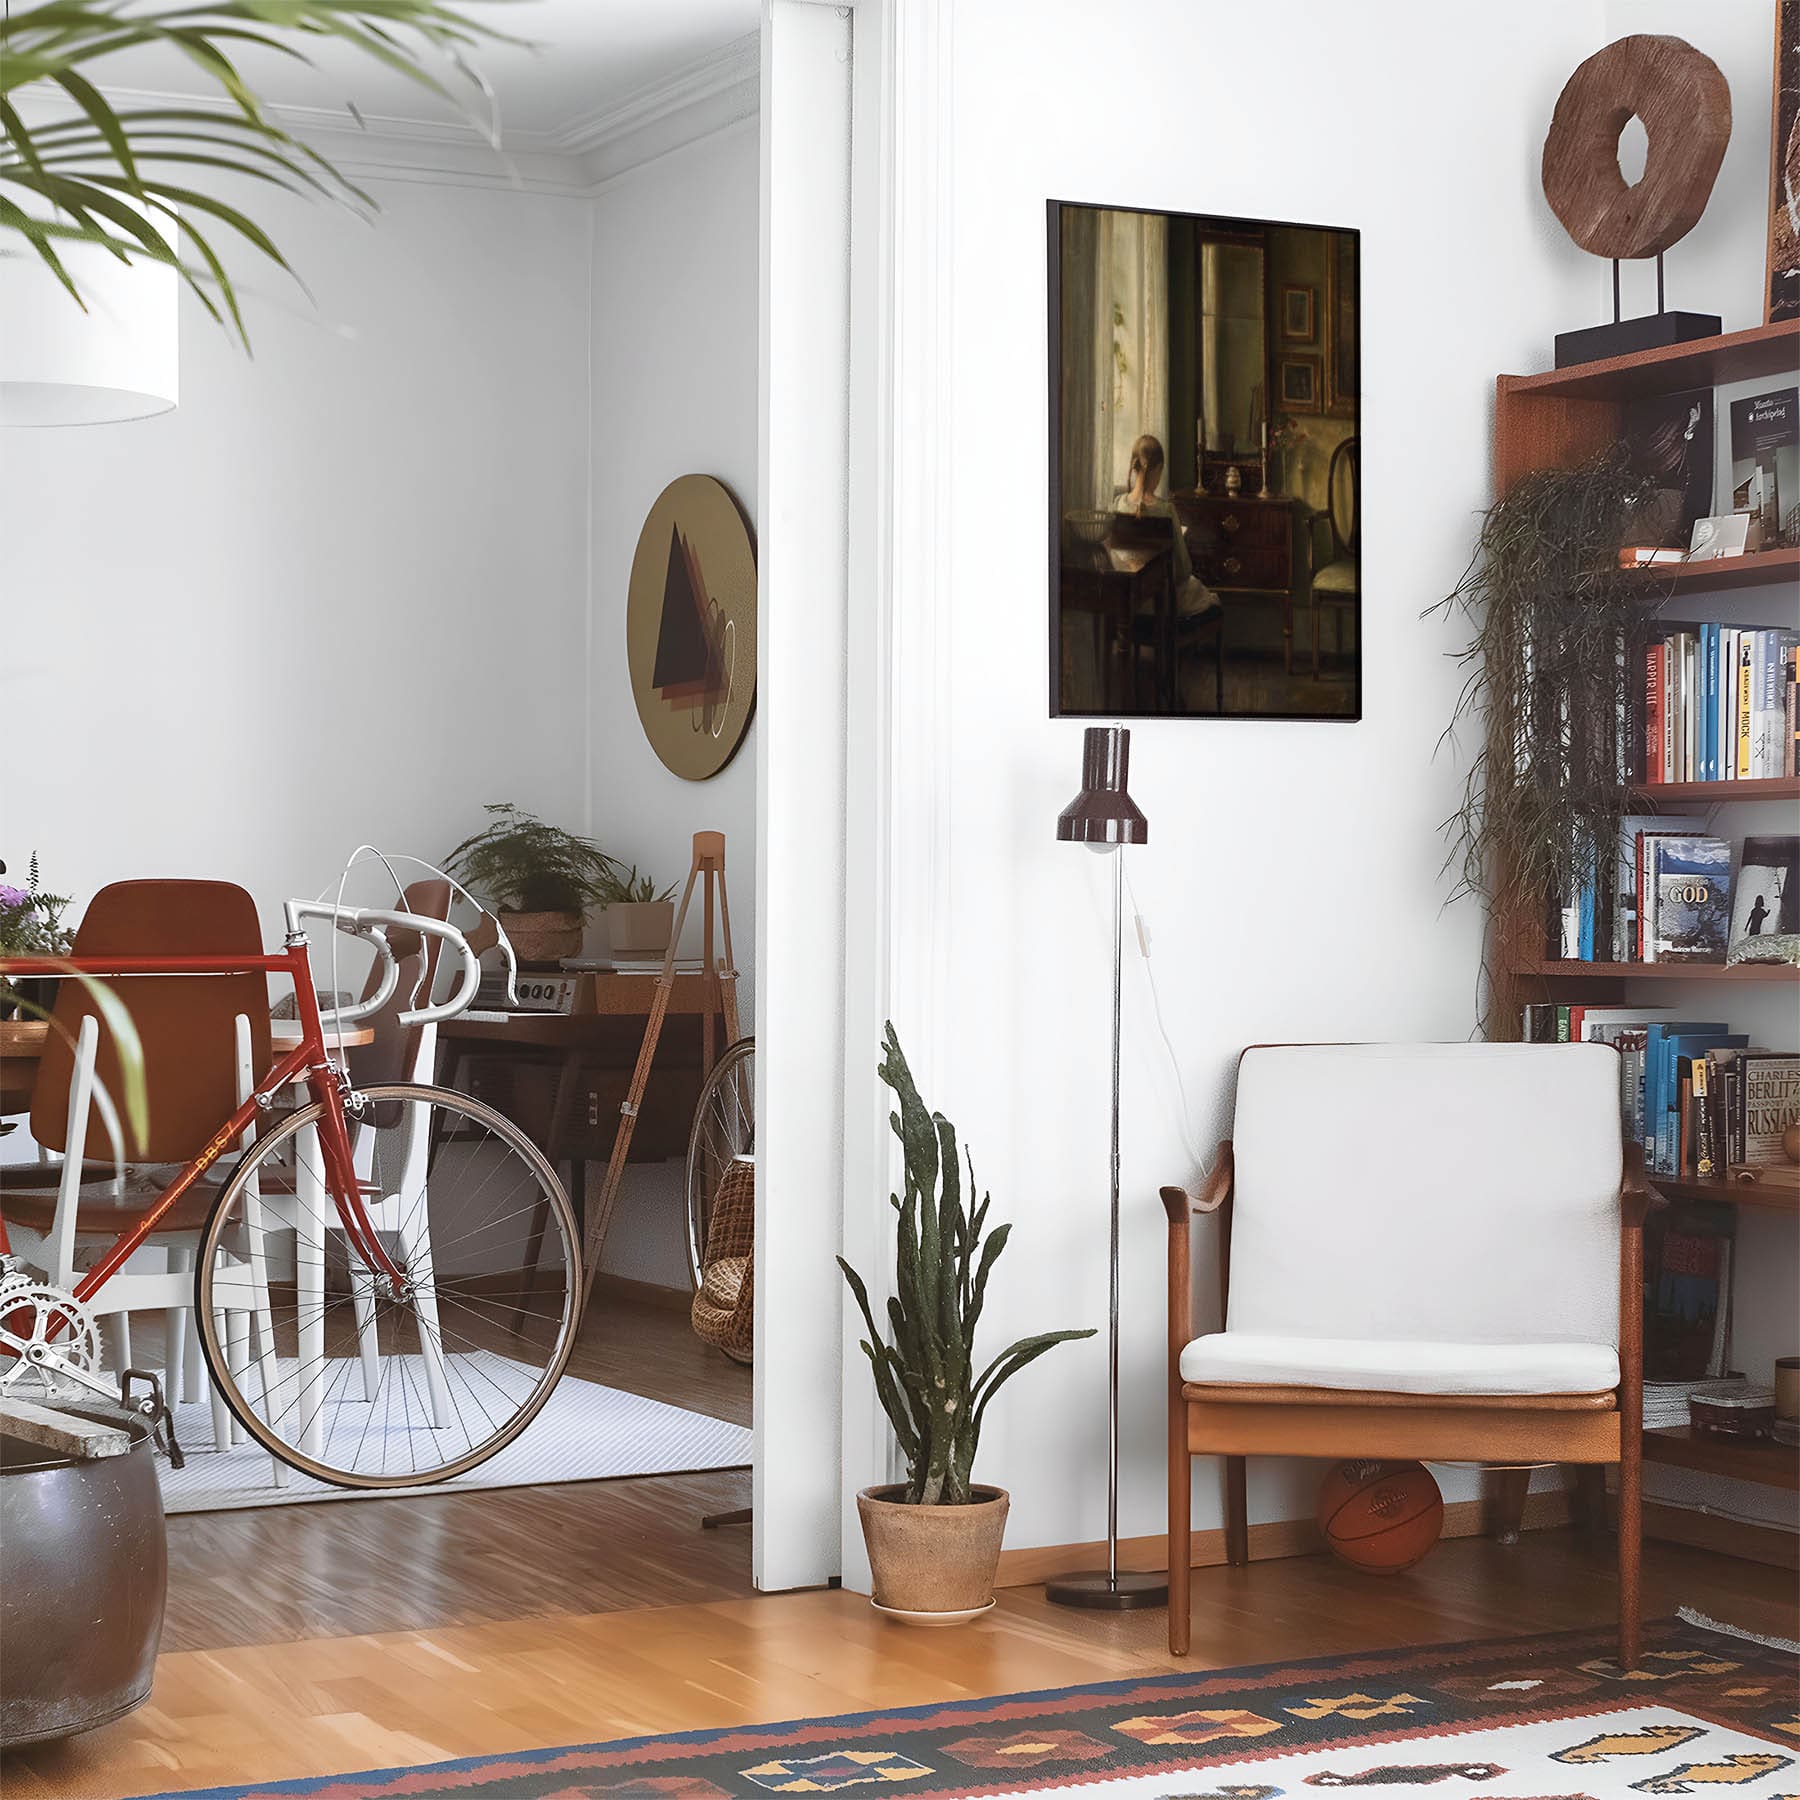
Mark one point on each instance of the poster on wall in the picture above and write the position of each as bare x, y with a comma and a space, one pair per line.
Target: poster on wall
1205, 466
1784, 168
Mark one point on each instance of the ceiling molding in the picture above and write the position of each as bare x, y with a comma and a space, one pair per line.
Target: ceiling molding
706, 96
735, 66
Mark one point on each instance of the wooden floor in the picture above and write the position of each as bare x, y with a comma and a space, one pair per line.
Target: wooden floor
336, 1704
334, 1568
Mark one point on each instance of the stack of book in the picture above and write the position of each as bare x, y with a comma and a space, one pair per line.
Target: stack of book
1719, 704
1678, 894
1699, 1097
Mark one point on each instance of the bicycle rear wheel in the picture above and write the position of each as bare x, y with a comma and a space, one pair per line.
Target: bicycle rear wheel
724, 1127
337, 1370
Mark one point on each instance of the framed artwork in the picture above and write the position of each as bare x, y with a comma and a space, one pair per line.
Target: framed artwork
1204, 513
1298, 322
1783, 299
1299, 392
690, 626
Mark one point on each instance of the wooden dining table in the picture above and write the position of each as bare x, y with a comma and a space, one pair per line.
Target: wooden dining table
22, 1044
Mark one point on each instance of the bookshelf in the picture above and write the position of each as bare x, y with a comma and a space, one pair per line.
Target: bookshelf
1559, 419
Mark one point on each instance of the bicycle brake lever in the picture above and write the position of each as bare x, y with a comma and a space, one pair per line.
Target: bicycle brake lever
156, 1409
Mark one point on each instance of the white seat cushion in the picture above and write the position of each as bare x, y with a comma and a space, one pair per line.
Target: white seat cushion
1396, 1366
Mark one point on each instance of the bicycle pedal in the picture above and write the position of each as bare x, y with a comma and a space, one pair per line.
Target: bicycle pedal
156, 1409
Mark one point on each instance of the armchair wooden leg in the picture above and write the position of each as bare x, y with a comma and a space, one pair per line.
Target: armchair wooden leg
1181, 1554
1237, 1513
1506, 1501
1630, 1549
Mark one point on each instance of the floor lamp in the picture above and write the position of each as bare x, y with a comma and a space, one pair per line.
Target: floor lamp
1104, 817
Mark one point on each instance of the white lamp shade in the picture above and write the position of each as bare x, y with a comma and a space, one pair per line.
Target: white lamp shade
61, 366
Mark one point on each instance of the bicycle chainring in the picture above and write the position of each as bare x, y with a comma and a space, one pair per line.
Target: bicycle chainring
34, 1312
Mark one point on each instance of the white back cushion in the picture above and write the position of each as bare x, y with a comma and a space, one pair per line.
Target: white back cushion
1457, 1192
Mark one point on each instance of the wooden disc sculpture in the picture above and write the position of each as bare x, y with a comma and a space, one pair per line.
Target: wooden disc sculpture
1684, 102
690, 626
1380, 1517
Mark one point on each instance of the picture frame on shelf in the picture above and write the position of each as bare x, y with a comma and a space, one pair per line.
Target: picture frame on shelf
1720, 536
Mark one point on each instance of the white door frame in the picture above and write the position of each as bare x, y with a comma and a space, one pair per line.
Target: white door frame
853, 856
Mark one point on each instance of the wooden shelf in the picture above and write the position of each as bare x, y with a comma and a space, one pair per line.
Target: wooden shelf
1761, 352
1656, 971
1753, 1459
1772, 1198
1775, 787
1759, 568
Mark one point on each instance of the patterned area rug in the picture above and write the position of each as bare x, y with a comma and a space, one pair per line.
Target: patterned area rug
1544, 1718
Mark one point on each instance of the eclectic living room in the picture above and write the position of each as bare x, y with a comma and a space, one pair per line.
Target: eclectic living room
899, 895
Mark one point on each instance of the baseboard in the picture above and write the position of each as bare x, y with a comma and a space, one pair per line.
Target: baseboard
644, 1293
1730, 1537
1272, 1538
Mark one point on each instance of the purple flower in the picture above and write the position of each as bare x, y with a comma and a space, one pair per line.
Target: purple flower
13, 897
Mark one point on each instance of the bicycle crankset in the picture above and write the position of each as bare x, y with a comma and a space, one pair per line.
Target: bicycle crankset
46, 1333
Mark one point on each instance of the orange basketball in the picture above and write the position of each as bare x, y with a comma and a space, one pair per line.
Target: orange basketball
1380, 1517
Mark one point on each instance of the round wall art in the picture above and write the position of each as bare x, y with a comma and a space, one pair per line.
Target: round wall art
690, 626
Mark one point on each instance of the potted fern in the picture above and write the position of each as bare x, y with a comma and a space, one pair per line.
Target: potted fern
542, 878
934, 1539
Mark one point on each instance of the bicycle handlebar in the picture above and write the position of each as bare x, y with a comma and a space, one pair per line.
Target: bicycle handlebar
373, 925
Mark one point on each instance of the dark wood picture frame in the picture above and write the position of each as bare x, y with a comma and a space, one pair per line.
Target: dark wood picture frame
1299, 314
1250, 230
1781, 286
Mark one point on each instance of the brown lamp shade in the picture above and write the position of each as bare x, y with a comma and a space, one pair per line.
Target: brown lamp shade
1103, 812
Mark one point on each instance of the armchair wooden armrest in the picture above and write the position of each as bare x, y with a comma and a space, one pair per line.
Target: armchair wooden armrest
1636, 1196
1179, 1204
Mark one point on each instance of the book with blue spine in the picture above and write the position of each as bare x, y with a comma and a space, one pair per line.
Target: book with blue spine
1659, 1062
1689, 889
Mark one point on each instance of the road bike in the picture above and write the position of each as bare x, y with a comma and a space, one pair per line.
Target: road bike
387, 1279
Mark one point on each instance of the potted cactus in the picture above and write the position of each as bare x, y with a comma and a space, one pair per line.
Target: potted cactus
934, 1539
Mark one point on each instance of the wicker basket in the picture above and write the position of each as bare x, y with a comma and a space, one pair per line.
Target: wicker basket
722, 1312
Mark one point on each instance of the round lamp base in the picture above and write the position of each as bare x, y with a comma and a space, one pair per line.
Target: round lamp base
1095, 1590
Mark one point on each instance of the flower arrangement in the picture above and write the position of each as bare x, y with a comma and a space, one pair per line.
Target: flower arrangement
30, 925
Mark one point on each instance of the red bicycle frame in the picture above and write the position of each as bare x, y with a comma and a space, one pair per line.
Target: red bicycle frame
308, 1060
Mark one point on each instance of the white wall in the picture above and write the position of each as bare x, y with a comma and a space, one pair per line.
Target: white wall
1292, 878
674, 344
376, 528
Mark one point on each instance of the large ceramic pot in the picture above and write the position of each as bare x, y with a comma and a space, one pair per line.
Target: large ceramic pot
86, 1569
540, 940
933, 1565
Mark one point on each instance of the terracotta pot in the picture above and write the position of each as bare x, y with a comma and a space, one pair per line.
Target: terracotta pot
640, 928
542, 939
933, 1559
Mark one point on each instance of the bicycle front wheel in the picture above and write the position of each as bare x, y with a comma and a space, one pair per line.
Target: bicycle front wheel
358, 1379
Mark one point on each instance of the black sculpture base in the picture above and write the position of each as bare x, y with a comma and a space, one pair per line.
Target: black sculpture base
1095, 1591
1624, 337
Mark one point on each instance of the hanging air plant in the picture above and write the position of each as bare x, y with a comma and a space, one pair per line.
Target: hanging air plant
1550, 678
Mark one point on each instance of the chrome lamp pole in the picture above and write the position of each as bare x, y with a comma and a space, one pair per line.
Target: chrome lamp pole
1104, 817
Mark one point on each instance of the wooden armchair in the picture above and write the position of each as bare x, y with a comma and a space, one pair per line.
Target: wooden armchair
1429, 1251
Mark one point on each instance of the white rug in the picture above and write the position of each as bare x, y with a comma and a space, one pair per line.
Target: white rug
586, 1432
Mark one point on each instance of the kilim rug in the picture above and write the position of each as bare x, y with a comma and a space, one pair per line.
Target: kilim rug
1541, 1718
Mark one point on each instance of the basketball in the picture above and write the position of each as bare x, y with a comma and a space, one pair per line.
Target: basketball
1380, 1517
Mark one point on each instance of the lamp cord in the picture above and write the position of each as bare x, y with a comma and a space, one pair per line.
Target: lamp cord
1184, 1113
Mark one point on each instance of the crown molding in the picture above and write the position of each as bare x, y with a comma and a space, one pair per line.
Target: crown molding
706, 96
725, 72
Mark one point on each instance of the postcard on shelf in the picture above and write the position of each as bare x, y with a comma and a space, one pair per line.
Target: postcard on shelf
1724, 534
1767, 896
1765, 459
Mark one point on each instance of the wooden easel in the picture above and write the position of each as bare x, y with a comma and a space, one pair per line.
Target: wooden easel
721, 999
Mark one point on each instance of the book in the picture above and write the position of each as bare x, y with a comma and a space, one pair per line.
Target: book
1741, 756
1633, 828
1688, 881
1765, 458
1669, 438
1766, 897
1768, 1103
1687, 1302
1770, 652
